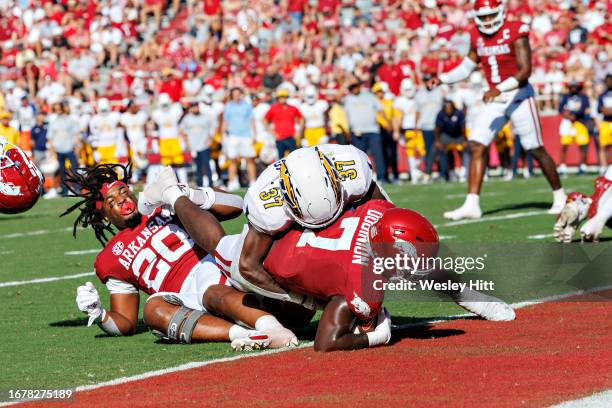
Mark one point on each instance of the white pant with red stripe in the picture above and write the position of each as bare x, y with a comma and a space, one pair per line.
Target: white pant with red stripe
227, 255
519, 107
205, 274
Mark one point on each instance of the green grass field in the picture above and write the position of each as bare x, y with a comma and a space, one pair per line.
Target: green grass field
46, 343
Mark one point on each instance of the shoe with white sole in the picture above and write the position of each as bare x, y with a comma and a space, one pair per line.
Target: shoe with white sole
254, 341
557, 206
281, 337
494, 310
464, 212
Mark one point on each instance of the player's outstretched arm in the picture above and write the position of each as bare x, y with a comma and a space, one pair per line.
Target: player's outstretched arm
120, 320
334, 332
459, 73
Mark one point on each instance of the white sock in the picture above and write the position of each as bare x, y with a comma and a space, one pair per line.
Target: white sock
237, 332
472, 200
413, 166
181, 175
559, 195
267, 322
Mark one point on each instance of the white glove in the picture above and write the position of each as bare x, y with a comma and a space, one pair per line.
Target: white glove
88, 301
569, 219
592, 229
164, 189
382, 332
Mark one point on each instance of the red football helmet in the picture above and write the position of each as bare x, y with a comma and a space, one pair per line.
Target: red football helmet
402, 231
21, 183
489, 15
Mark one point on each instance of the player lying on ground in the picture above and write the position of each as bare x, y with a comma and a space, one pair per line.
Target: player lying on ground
155, 254
331, 266
309, 188
503, 49
596, 209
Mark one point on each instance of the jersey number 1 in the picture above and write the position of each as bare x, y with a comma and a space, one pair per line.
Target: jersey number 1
342, 243
495, 78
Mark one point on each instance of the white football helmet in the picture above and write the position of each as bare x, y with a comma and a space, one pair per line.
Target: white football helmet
164, 100
407, 88
313, 194
310, 94
104, 105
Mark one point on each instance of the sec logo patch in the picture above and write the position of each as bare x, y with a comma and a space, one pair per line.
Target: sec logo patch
118, 248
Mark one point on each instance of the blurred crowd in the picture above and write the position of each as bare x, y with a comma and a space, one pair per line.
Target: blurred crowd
197, 84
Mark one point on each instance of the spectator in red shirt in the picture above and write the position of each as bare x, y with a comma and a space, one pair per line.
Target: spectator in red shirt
171, 85
283, 118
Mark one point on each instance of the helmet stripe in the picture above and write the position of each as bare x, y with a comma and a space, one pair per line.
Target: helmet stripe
287, 189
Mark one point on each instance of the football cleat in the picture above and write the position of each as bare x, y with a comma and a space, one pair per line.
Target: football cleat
489, 308
281, 337
463, 212
556, 208
252, 342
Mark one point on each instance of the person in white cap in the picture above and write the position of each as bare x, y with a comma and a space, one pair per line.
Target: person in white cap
104, 136
314, 111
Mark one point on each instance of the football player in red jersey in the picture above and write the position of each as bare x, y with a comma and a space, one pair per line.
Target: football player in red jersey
157, 254
502, 47
334, 266
596, 209
21, 183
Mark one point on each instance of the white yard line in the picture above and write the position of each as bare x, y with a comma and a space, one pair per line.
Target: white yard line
601, 399
83, 252
540, 236
494, 218
34, 233
462, 195
44, 280
196, 364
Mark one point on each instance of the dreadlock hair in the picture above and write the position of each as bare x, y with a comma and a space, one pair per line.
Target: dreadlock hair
86, 182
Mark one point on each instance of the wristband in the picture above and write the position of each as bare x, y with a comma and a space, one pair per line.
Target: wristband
509, 84
377, 338
109, 325
202, 197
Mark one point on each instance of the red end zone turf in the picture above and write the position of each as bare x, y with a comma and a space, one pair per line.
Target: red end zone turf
552, 353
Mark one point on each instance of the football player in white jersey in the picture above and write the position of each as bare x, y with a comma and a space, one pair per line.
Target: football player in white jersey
134, 120
265, 143
310, 187
104, 135
415, 146
167, 117
314, 111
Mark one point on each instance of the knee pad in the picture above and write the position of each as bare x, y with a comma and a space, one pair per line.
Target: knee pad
182, 323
